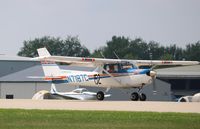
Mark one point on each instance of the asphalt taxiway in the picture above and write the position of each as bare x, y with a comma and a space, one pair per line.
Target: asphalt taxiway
147, 106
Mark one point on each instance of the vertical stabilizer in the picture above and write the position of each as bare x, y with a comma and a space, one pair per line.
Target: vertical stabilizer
53, 89
50, 68
43, 52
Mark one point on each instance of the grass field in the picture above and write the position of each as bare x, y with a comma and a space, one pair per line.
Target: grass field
54, 119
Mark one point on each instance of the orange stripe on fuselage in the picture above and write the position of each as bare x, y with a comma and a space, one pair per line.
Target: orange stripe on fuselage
55, 78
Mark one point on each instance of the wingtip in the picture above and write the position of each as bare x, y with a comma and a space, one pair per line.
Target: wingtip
36, 58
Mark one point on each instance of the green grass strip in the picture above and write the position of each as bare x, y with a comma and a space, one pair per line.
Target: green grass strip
65, 119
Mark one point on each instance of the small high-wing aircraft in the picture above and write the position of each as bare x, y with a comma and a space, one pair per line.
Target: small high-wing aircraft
78, 94
109, 73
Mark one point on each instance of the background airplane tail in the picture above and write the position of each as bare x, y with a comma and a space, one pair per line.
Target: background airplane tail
53, 89
50, 68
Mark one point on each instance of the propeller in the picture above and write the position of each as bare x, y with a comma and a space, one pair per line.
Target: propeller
153, 75
154, 85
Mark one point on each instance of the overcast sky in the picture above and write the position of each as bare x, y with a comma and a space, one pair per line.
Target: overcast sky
96, 21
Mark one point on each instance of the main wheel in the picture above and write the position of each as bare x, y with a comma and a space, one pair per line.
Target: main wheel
100, 95
134, 96
142, 97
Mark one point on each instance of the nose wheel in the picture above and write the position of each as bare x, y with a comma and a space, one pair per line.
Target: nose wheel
143, 97
135, 96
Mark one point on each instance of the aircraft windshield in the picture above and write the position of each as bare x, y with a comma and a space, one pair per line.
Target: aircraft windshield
77, 91
84, 90
127, 66
80, 90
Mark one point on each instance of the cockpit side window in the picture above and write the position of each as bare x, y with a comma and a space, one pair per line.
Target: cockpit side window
107, 68
84, 90
115, 68
111, 68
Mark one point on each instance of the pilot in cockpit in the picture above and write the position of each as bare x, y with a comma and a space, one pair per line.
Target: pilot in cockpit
111, 68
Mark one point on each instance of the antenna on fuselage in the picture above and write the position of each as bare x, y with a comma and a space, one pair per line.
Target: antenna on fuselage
116, 55
102, 55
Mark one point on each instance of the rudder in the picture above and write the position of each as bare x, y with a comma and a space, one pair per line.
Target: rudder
50, 68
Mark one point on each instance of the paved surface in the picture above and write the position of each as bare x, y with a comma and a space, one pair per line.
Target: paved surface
101, 105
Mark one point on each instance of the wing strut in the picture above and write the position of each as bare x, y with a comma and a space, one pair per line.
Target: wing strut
118, 81
100, 69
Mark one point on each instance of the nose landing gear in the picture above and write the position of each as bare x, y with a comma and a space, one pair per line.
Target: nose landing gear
143, 97
135, 96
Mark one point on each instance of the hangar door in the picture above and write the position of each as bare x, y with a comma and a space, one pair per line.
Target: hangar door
17, 90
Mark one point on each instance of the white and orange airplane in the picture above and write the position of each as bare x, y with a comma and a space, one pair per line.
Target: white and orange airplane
108, 73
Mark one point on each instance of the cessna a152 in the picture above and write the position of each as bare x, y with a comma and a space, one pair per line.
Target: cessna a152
108, 73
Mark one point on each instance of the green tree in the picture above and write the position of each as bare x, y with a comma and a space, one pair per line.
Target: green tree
192, 51
56, 46
98, 53
138, 48
167, 57
118, 45
155, 50
125, 48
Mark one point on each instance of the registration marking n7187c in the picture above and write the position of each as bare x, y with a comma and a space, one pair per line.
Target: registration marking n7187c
78, 78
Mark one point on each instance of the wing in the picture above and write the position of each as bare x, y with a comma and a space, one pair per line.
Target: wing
166, 62
100, 61
80, 60
44, 55
67, 96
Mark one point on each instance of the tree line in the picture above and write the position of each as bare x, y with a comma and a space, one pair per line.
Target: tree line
118, 47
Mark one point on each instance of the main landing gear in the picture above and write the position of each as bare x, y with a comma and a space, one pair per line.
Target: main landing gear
100, 95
